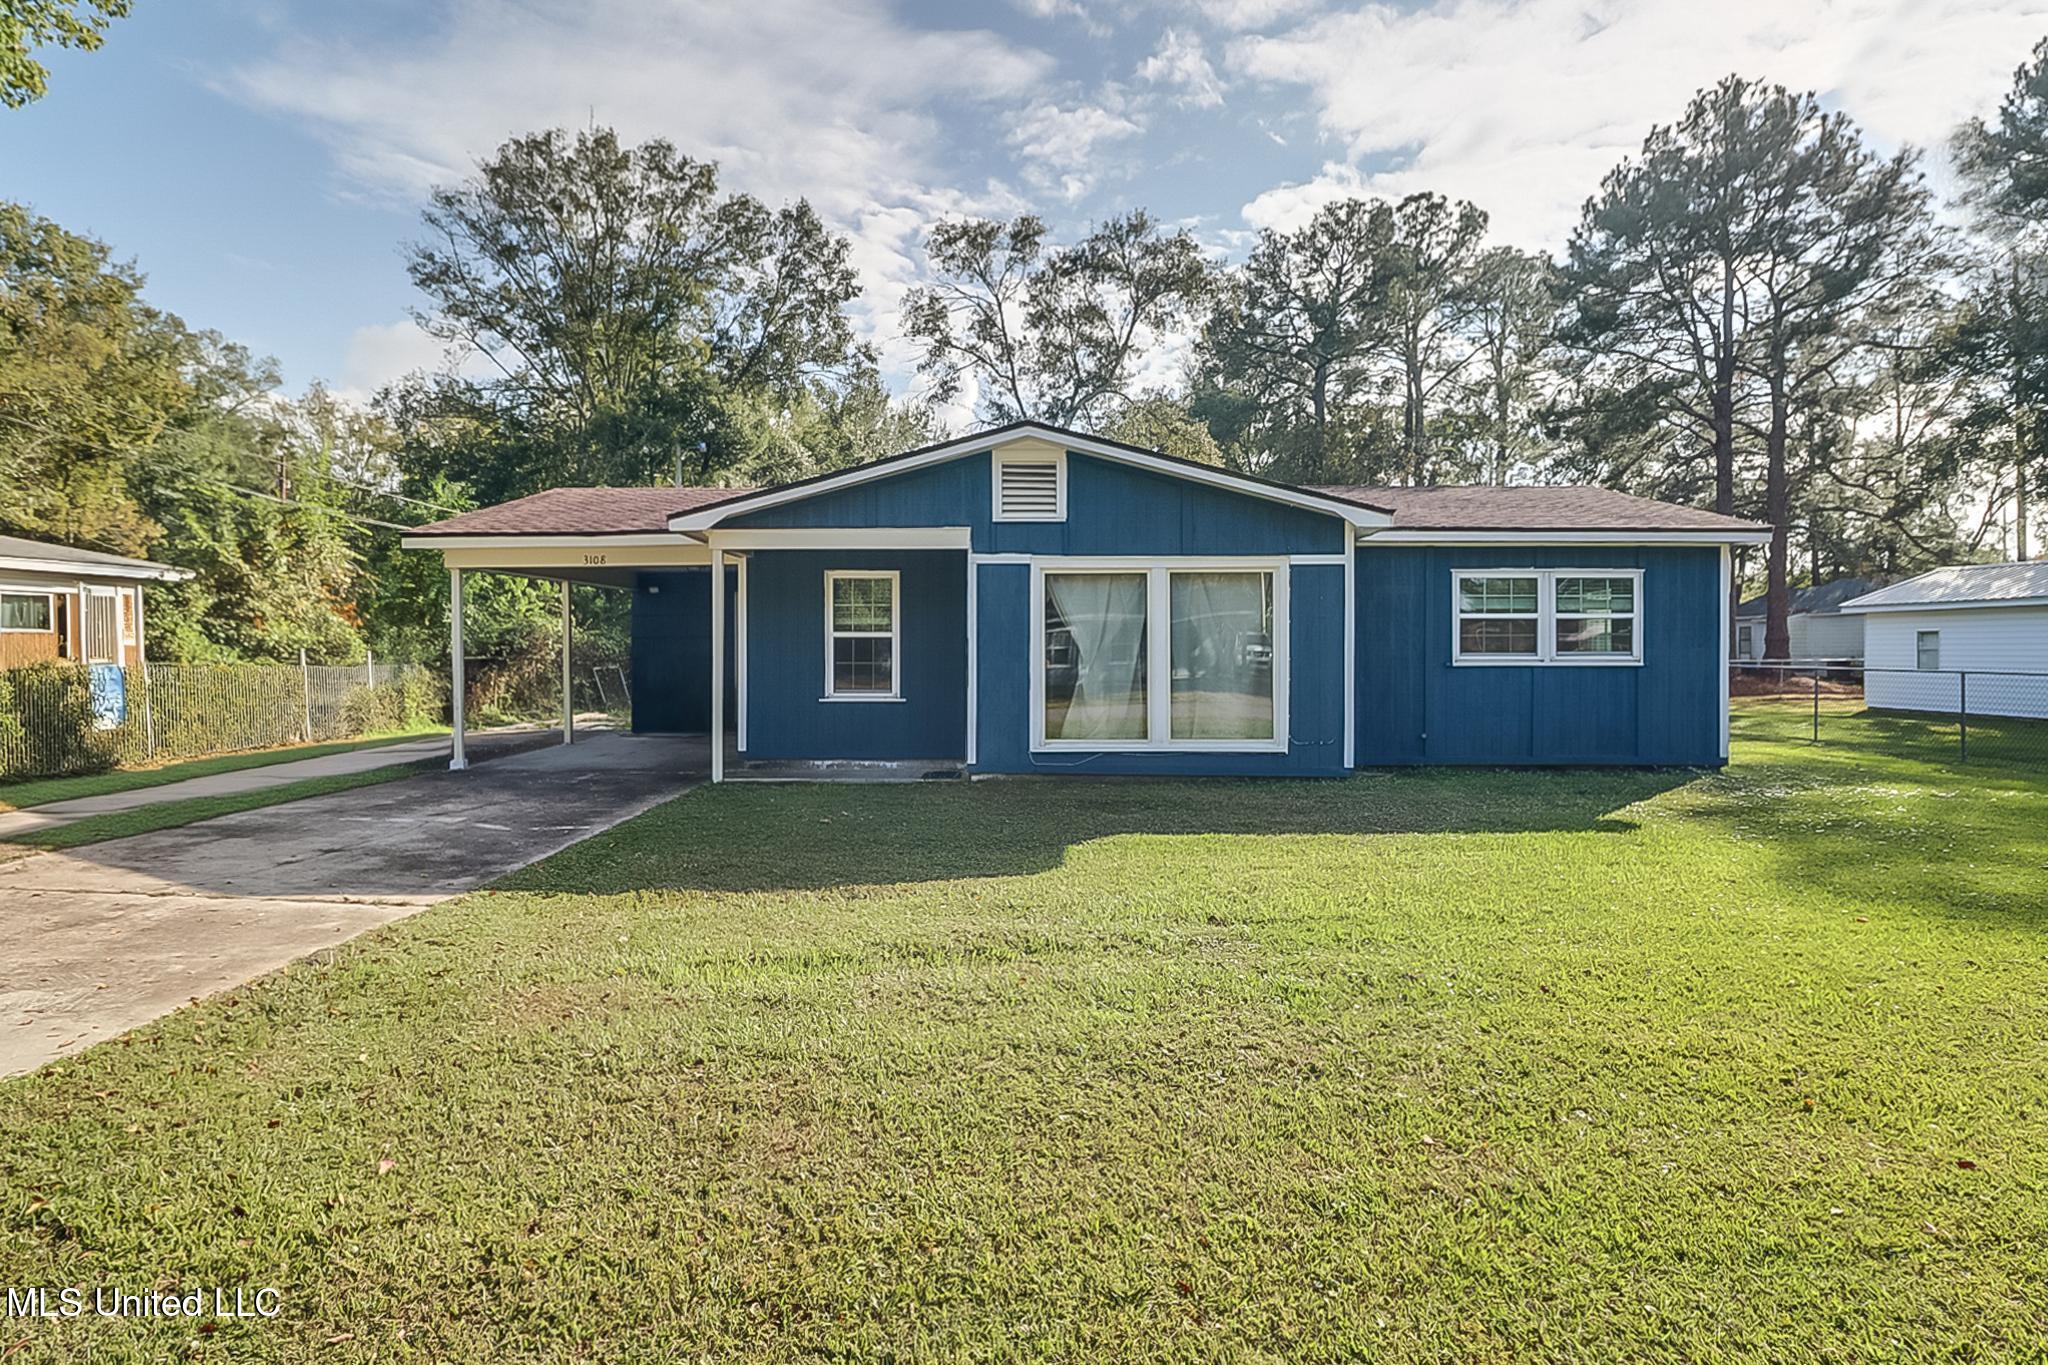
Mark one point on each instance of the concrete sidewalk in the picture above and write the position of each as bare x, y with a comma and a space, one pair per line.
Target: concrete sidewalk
483, 744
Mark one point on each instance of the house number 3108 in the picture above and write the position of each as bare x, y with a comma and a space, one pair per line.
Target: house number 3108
593, 559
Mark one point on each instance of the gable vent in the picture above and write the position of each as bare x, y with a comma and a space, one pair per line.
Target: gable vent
1029, 490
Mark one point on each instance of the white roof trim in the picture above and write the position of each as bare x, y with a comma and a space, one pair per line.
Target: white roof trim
538, 542
704, 519
1565, 537
85, 568
1978, 604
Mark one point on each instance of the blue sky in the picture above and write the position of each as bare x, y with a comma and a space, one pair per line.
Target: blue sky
264, 160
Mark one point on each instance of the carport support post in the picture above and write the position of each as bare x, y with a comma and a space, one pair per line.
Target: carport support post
456, 758
568, 704
717, 664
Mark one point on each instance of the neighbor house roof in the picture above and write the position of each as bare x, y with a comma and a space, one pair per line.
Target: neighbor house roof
1493, 507
582, 512
1962, 585
40, 556
1824, 599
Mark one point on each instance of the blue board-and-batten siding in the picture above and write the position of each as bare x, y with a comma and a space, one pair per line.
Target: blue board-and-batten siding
1415, 706
787, 716
1112, 509
670, 662
1412, 705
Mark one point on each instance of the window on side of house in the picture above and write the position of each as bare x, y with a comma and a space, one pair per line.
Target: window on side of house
863, 635
1547, 616
1163, 656
1594, 616
30, 611
1927, 650
1499, 616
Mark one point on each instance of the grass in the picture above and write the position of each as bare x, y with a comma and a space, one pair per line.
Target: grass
42, 791
1421, 1066
120, 824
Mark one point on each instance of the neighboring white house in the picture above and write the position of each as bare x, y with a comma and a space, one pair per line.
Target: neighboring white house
1816, 623
1973, 637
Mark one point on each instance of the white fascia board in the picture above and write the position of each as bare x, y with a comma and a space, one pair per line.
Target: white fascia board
1983, 604
1564, 538
71, 571
843, 538
706, 518
595, 540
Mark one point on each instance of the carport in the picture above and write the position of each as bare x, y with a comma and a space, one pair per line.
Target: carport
616, 538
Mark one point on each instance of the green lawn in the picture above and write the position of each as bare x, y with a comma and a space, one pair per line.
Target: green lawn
41, 791
1422, 1066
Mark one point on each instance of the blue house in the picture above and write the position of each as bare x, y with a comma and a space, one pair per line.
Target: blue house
1035, 600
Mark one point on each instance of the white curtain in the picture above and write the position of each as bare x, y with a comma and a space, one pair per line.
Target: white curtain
1222, 656
1105, 613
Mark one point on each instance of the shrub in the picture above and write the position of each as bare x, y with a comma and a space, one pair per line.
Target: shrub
422, 698
370, 710
51, 730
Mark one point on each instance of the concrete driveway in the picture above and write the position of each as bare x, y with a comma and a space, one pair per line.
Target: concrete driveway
108, 936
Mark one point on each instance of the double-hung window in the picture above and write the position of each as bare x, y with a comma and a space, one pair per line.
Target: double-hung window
863, 635
1172, 655
1546, 616
1927, 651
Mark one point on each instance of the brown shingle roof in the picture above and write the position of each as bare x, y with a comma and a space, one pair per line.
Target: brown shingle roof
639, 511
1487, 507
581, 512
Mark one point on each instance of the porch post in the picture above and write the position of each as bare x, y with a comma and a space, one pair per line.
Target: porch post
568, 702
456, 758
717, 664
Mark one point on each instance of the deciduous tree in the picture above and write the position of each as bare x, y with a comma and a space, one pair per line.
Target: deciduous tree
1053, 334
26, 25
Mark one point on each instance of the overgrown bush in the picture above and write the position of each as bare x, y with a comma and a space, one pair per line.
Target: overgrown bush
50, 730
371, 710
422, 699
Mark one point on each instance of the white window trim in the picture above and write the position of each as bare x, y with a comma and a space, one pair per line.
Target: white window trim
1920, 634
895, 692
48, 595
995, 482
1159, 655
1546, 655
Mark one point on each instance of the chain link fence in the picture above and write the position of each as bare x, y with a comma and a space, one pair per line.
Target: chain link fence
61, 718
1977, 716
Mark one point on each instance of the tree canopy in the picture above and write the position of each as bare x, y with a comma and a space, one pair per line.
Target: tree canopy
26, 25
1053, 334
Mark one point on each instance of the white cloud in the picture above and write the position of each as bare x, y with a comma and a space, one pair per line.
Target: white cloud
1181, 65
833, 100
1522, 105
1063, 148
383, 352
1242, 16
